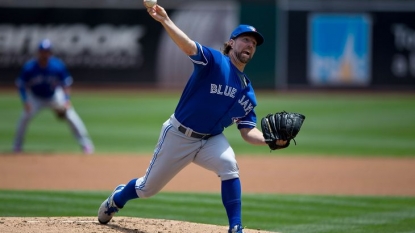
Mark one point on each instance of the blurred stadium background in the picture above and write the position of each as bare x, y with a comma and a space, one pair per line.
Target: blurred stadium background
310, 44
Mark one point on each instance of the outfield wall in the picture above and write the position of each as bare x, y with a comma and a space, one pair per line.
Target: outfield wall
308, 43
360, 44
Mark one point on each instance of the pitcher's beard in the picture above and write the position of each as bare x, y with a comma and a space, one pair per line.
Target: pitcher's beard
242, 58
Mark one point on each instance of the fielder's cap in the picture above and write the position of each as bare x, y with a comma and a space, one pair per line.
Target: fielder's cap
247, 29
45, 45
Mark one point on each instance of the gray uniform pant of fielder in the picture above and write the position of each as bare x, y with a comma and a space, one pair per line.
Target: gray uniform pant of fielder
75, 123
174, 151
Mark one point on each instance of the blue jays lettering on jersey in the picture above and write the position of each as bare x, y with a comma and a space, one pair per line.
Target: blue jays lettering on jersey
226, 97
43, 81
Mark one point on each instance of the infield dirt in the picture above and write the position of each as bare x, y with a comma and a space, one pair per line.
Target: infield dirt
287, 175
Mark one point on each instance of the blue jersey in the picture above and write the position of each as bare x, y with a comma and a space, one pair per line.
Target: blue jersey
43, 81
216, 95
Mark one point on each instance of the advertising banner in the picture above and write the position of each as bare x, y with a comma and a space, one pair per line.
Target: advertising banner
97, 45
374, 49
394, 48
112, 45
339, 49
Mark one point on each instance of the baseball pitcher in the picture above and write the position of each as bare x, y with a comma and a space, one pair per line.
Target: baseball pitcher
218, 94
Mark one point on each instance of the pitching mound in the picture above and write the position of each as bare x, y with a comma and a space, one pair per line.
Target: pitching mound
119, 224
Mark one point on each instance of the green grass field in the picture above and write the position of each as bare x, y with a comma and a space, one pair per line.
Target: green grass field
280, 213
336, 125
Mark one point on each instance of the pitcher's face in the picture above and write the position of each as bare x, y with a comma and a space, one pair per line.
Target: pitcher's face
244, 48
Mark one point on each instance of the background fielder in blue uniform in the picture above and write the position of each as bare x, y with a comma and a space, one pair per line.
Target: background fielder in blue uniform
44, 82
217, 95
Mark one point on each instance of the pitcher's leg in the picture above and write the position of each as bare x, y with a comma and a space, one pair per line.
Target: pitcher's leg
232, 201
126, 194
173, 152
218, 156
163, 167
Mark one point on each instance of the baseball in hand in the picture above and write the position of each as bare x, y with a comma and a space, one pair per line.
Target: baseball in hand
150, 3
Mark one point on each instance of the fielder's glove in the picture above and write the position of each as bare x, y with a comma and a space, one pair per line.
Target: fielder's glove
60, 112
281, 126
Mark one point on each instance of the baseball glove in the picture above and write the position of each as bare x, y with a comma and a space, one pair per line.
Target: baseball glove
281, 126
60, 112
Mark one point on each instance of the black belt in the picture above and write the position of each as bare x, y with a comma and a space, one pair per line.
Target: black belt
194, 134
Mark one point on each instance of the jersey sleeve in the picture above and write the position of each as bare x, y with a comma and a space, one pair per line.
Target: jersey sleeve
248, 121
202, 56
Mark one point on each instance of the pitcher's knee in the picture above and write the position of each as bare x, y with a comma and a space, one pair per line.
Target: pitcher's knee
228, 170
229, 176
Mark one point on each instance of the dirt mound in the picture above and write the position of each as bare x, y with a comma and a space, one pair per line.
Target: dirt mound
119, 224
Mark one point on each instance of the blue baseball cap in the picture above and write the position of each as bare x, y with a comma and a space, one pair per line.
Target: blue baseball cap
247, 29
45, 45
